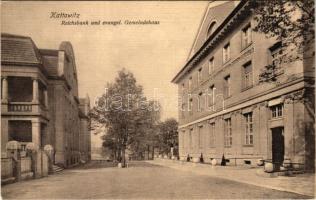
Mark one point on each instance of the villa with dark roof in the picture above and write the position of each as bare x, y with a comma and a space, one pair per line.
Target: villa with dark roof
39, 99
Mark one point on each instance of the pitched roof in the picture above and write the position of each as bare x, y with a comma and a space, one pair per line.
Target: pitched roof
215, 12
211, 39
19, 50
48, 52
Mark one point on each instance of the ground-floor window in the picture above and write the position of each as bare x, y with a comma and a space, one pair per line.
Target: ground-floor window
200, 137
248, 129
182, 138
277, 111
212, 134
228, 139
190, 138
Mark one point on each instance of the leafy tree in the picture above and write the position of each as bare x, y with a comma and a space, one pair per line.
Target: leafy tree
289, 21
145, 134
292, 23
110, 143
125, 112
167, 135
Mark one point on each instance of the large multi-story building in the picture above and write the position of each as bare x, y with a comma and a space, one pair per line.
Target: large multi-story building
226, 109
40, 102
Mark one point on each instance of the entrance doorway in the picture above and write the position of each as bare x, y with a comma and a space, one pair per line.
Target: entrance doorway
277, 146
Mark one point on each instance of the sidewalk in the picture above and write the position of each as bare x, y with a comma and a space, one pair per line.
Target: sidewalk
301, 184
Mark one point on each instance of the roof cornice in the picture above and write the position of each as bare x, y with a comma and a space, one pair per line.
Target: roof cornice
26, 64
213, 38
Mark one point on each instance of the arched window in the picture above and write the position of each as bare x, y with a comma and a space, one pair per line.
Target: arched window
211, 29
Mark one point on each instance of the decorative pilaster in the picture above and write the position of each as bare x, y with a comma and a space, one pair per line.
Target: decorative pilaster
36, 133
46, 98
4, 90
294, 97
35, 90
264, 104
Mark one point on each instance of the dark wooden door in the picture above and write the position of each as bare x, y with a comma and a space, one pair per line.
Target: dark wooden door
277, 146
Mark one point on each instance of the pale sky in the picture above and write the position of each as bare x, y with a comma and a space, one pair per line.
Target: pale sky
154, 53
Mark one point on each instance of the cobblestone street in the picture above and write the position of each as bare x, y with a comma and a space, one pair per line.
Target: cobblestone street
140, 180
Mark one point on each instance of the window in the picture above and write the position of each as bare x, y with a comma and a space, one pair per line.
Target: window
190, 105
276, 59
182, 109
227, 86
185, 140
190, 83
20, 130
248, 129
200, 103
200, 75
182, 139
183, 100
200, 137
211, 96
276, 54
190, 138
247, 75
211, 66
226, 53
277, 111
246, 36
228, 139
212, 134
210, 29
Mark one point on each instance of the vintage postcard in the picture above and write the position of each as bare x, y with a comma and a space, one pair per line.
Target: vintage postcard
158, 99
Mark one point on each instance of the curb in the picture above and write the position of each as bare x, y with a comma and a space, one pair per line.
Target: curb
234, 179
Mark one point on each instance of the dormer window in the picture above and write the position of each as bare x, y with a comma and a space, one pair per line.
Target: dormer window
210, 29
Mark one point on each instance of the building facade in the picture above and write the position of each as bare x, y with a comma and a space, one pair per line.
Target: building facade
40, 102
226, 110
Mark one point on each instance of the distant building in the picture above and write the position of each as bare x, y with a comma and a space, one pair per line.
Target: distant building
84, 132
225, 110
40, 102
98, 152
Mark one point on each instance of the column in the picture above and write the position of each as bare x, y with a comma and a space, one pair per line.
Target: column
46, 98
4, 90
264, 135
35, 90
4, 134
36, 132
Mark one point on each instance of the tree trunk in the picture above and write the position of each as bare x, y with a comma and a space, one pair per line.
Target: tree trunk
119, 153
114, 154
123, 157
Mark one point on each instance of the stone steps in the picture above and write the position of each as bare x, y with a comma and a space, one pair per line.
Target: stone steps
262, 173
57, 169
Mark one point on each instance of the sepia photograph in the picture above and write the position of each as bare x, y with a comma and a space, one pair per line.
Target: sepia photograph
158, 99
